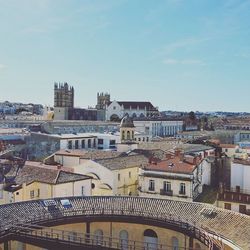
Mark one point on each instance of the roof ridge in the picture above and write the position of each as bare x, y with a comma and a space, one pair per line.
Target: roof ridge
57, 176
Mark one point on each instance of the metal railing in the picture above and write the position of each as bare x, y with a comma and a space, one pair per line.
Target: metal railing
107, 207
169, 220
77, 238
166, 192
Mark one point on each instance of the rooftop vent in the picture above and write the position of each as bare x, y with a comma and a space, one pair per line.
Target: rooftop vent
209, 212
171, 165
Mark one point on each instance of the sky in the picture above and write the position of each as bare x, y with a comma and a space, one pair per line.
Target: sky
179, 54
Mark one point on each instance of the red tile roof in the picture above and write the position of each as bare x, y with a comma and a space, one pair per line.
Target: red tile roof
175, 165
228, 145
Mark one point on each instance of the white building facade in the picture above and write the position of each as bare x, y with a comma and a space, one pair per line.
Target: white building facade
178, 178
240, 174
158, 127
117, 110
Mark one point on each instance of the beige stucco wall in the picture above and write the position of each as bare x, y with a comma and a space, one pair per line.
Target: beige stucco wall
47, 191
106, 177
234, 205
67, 161
175, 186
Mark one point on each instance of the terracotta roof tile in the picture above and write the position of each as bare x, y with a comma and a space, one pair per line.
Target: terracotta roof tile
174, 165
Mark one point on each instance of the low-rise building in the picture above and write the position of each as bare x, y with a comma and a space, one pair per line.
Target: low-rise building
180, 176
41, 145
242, 136
38, 181
237, 196
158, 126
234, 151
116, 176
114, 173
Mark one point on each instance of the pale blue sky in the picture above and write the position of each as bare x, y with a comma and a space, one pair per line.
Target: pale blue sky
178, 54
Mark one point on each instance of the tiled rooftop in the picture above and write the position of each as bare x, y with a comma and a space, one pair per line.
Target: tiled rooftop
124, 161
241, 161
229, 225
29, 174
228, 145
173, 165
89, 154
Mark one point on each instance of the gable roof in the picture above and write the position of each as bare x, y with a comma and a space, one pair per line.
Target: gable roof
173, 165
29, 174
89, 154
123, 162
134, 105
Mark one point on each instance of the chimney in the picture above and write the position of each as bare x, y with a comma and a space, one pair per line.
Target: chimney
182, 156
168, 156
177, 152
150, 160
221, 188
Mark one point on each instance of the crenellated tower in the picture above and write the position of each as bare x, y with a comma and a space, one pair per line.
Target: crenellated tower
103, 99
63, 95
63, 100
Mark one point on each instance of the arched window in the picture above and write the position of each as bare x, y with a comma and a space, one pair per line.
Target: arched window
175, 243
114, 118
69, 144
98, 237
83, 143
89, 143
128, 135
123, 239
123, 135
197, 246
76, 144
150, 240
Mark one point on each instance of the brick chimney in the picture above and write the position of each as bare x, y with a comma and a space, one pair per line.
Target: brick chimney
168, 156
152, 160
177, 152
180, 154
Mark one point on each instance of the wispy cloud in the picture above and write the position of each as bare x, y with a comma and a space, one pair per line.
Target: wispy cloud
35, 30
243, 55
174, 2
185, 43
90, 7
171, 61
2, 66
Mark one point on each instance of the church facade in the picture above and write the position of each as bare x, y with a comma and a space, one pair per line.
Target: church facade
116, 110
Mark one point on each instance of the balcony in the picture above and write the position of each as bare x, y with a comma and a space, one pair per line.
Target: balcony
232, 196
181, 192
166, 192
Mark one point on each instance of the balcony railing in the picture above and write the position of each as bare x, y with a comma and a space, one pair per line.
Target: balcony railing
166, 192
232, 196
182, 192
239, 190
